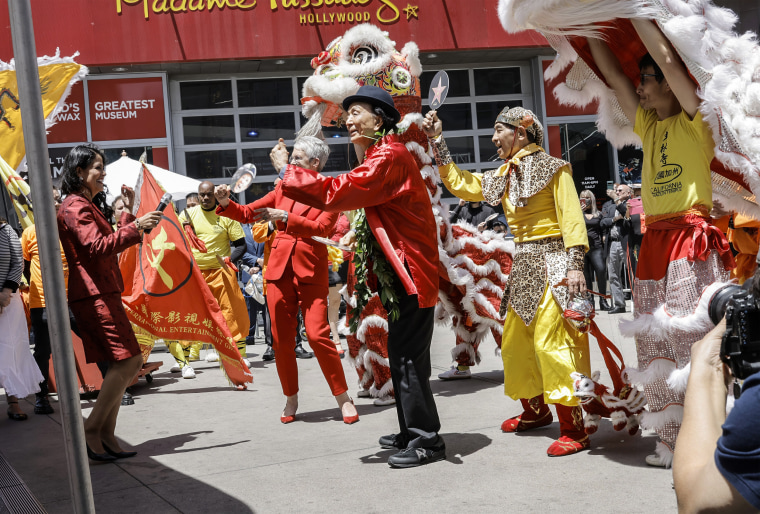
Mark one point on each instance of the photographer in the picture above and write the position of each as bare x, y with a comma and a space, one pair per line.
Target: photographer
719, 476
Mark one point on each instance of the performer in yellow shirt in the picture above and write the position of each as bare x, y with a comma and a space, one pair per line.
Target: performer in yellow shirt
682, 253
224, 238
539, 347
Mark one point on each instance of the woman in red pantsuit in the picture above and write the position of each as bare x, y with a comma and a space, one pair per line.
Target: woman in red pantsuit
296, 276
95, 285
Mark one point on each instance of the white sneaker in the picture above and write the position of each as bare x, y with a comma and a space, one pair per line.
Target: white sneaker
176, 368
656, 461
455, 373
384, 400
188, 372
363, 393
211, 356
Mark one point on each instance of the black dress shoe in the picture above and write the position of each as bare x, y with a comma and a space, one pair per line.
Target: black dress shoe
392, 441
603, 305
127, 399
618, 310
301, 353
268, 354
42, 406
99, 457
118, 455
413, 457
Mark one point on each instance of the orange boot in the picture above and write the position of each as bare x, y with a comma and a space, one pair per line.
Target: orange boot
572, 436
535, 414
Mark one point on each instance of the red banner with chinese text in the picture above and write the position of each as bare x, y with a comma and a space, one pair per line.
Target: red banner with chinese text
165, 292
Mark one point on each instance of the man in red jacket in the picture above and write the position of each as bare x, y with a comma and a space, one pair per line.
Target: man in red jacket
297, 274
399, 222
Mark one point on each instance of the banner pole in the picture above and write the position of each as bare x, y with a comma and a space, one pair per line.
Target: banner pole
38, 159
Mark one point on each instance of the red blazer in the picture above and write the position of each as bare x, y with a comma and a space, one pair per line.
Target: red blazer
390, 188
92, 247
293, 245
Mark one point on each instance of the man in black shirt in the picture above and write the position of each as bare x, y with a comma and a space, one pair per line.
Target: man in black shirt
472, 212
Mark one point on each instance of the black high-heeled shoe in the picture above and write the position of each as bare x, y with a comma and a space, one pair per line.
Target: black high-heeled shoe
118, 455
99, 457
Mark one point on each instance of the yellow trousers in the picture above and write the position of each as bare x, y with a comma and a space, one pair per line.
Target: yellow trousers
539, 358
225, 289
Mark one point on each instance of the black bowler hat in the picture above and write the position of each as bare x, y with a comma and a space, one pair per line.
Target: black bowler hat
376, 97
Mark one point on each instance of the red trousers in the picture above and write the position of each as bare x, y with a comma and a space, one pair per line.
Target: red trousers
284, 296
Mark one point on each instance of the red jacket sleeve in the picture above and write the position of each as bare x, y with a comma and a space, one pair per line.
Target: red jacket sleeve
244, 213
371, 183
79, 219
323, 226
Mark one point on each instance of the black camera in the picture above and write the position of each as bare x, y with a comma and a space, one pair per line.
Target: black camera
740, 347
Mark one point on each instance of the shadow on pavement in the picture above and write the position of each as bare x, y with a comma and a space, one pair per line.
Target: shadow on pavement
478, 382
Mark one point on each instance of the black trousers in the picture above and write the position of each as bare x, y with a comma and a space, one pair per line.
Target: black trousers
42, 350
409, 357
594, 264
254, 308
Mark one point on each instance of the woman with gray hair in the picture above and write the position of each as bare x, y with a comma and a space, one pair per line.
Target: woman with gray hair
593, 261
296, 275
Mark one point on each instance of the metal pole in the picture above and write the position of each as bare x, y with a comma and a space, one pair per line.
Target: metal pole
38, 159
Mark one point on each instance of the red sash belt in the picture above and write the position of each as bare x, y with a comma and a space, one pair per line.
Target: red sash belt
690, 236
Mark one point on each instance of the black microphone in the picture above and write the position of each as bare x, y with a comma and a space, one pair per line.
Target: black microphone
165, 200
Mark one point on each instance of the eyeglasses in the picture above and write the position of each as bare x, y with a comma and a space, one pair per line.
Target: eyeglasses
643, 76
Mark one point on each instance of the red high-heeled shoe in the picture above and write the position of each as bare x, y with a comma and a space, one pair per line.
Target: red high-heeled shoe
287, 419
350, 420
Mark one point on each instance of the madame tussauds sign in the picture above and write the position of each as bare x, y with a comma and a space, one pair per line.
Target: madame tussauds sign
387, 11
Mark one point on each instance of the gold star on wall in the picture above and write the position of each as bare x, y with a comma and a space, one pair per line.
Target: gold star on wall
411, 10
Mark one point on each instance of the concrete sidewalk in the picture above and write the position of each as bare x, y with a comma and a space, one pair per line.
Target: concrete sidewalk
204, 447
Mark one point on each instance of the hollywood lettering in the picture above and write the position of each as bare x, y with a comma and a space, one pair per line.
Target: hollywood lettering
333, 18
121, 109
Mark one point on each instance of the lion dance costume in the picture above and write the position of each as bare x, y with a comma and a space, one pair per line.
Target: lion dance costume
474, 267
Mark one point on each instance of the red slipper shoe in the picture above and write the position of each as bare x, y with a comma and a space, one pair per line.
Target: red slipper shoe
517, 424
566, 446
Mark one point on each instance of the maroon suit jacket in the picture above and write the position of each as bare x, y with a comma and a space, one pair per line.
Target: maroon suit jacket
92, 247
293, 245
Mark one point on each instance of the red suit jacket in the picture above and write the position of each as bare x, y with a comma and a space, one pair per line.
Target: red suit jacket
293, 245
92, 247
390, 188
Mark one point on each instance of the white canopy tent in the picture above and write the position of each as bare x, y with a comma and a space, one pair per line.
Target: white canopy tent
125, 172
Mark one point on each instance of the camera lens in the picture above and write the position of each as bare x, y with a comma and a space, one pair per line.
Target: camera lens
720, 300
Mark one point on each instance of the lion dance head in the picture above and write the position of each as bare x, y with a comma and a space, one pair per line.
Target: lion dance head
364, 55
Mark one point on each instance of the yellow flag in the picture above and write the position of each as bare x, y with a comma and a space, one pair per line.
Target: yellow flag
57, 75
19, 193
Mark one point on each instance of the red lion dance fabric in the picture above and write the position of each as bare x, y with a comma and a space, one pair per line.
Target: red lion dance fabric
474, 266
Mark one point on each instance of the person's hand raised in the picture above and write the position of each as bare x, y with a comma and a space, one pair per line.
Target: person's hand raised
222, 195
279, 155
432, 125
